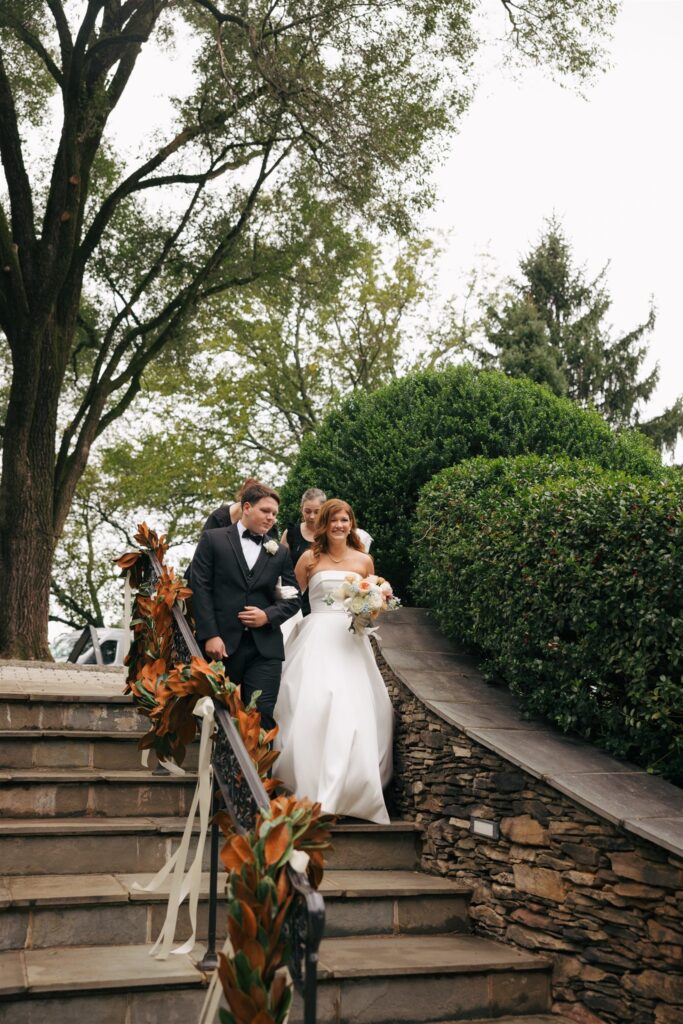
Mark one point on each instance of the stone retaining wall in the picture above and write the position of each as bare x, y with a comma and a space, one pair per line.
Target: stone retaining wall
605, 905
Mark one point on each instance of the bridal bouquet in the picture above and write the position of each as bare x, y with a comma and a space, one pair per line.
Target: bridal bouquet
364, 600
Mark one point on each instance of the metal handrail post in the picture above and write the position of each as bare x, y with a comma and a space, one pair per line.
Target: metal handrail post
311, 987
209, 961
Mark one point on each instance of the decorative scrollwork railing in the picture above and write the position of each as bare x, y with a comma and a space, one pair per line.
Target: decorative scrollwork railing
240, 792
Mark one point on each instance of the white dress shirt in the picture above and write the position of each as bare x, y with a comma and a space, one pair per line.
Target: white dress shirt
250, 550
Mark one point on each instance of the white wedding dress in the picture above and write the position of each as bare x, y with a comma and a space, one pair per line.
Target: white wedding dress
334, 713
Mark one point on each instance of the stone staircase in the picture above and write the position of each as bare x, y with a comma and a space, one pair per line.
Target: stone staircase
81, 820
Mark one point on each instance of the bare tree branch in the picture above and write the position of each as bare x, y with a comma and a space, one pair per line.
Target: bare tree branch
18, 184
134, 181
222, 17
33, 42
70, 604
63, 31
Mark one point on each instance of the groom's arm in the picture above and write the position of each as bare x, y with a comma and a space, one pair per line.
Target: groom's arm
202, 592
280, 611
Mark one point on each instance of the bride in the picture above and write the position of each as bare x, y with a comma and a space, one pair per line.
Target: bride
333, 711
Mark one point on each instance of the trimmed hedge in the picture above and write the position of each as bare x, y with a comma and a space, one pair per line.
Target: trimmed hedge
568, 580
378, 449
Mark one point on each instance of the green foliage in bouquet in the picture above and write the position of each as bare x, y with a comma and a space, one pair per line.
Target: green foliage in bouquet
568, 580
378, 449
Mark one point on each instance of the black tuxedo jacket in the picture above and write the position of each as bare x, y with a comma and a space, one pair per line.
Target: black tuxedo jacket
222, 584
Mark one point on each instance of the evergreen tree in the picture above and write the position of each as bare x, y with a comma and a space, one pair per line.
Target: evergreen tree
550, 326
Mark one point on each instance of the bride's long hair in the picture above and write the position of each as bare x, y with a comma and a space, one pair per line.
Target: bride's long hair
320, 545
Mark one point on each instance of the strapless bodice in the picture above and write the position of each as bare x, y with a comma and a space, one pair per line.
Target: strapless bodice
323, 583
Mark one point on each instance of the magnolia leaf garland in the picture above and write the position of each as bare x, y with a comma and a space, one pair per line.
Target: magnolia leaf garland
254, 979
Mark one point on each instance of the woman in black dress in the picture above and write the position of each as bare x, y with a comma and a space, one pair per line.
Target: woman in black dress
299, 536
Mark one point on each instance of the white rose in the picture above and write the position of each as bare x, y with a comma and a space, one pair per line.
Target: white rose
375, 601
271, 547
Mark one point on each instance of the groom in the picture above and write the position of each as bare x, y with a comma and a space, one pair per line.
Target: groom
235, 571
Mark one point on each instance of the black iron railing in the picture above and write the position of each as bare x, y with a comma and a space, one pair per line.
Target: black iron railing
239, 789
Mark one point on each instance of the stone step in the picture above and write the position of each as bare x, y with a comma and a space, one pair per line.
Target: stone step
82, 845
41, 911
103, 984
534, 1018
66, 846
107, 713
393, 902
44, 911
376, 980
92, 792
38, 748
363, 846
386, 980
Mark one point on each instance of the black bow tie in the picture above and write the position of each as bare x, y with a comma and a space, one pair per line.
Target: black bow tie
256, 537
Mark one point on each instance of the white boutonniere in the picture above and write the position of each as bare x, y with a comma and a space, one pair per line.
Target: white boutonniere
271, 547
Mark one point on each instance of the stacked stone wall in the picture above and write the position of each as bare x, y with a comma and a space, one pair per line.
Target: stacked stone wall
605, 905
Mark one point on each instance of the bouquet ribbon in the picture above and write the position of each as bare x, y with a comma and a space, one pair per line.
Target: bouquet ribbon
187, 884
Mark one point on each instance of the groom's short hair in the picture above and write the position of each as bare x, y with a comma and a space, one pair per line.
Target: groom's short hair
256, 492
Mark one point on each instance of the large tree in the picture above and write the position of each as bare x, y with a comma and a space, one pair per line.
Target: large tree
108, 258
344, 320
549, 324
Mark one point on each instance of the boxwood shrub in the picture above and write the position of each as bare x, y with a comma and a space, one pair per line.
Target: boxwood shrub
568, 580
378, 449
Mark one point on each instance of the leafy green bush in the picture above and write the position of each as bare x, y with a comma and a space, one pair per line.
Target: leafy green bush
568, 580
378, 449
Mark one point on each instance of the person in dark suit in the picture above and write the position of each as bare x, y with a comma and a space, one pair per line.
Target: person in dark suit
237, 610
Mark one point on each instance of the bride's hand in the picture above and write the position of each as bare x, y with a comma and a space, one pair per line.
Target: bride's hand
253, 617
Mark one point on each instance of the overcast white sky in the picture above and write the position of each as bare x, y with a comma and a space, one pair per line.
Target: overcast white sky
610, 166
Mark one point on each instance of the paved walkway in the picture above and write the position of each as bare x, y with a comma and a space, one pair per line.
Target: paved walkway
447, 681
40, 680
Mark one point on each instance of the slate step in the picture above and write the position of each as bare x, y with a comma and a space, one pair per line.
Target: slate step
393, 902
103, 984
368, 981
42, 911
92, 792
408, 979
534, 1018
133, 844
74, 748
66, 846
92, 713
363, 847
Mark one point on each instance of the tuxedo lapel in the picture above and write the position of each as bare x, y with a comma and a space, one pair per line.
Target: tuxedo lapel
236, 545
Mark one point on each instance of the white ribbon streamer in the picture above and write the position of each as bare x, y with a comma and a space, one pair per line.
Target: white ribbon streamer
189, 884
299, 861
171, 767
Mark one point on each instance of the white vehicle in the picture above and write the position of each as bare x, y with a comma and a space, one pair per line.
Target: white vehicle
113, 644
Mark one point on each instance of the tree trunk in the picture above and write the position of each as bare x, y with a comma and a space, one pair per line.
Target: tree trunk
27, 539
